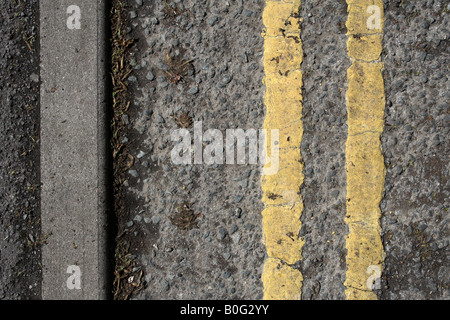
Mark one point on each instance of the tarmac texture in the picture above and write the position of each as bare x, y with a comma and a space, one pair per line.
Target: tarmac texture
349, 201
220, 254
20, 234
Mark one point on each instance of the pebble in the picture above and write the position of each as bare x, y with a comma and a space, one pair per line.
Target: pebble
150, 76
399, 84
425, 24
423, 56
247, 13
398, 170
154, 21
226, 79
245, 273
222, 233
193, 90
156, 219
309, 172
133, 173
34, 77
129, 224
236, 237
335, 193
213, 20
140, 154
163, 84
249, 226
422, 227
160, 119
165, 286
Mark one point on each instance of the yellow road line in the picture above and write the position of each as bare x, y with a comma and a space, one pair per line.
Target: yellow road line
364, 160
281, 191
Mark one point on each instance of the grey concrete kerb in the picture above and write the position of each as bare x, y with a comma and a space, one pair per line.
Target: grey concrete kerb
73, 149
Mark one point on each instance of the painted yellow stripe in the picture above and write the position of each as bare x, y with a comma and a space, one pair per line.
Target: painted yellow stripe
364, 160
281, 191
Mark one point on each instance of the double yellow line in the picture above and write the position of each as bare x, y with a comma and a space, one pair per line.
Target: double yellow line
364, 162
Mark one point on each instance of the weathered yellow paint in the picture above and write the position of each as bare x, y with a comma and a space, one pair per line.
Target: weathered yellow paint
281, 282
364, 160
365, 47
364, 249
283, 188
365, 98
281, 227
358, 16
281, 191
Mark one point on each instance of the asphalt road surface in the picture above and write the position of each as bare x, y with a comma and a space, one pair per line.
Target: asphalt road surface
349, 100
19, 155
